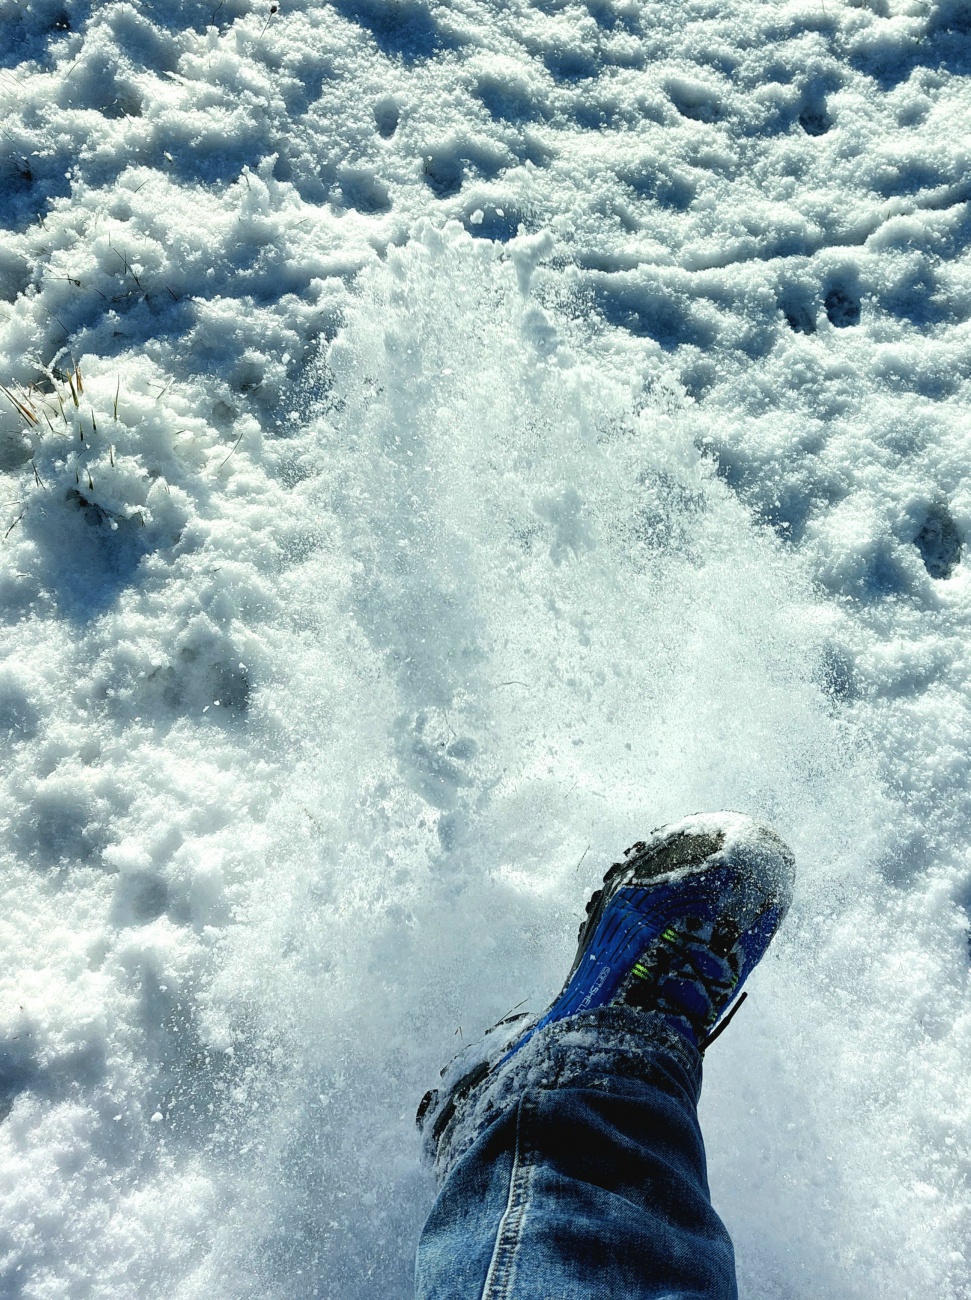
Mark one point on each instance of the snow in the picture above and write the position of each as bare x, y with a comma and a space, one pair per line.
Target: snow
441, 443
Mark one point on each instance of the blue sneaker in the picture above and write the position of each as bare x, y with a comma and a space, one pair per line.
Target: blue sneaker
677, 928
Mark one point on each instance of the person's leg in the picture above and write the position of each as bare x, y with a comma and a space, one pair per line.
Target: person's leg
584, 1177
569, 1149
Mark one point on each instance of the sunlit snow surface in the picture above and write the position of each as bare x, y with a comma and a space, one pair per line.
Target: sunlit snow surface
504, 428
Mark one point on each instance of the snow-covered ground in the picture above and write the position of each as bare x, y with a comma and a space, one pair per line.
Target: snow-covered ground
440, 443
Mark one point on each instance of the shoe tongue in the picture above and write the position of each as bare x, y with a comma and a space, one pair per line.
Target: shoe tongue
684, 979
685, 997
684, 1028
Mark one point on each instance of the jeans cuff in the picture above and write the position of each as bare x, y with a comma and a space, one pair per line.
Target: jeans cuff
591, 1050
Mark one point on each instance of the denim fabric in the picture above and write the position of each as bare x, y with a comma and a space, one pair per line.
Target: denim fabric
576, 1171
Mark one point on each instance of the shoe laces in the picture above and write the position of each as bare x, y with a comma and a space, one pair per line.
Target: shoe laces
689, 972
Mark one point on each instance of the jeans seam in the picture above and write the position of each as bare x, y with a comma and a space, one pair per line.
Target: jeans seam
502, 1266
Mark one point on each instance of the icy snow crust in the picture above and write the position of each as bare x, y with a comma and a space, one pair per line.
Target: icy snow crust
385, 571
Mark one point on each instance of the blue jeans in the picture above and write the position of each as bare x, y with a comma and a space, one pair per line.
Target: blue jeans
576, 1171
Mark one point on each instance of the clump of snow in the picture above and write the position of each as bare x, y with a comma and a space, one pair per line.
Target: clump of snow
438, 445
